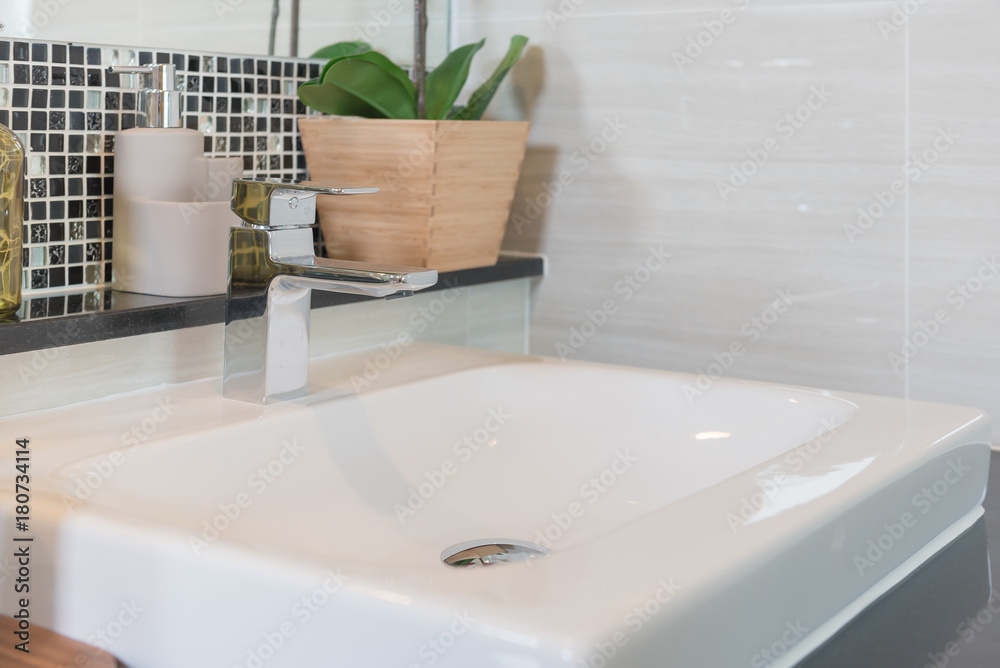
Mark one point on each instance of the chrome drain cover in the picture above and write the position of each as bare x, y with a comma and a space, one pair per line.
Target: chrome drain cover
475, 553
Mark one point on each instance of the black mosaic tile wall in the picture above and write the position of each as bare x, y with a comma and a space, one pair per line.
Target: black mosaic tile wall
66, 108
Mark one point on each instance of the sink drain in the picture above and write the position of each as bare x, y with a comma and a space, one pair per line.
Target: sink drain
474, 553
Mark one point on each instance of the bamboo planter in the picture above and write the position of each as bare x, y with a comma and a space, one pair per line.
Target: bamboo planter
446, 188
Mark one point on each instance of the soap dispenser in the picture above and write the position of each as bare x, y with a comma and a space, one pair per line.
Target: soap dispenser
171, 204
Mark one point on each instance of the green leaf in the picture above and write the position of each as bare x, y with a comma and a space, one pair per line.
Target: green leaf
480, 99
331, 99
341, 49
372, 85
445, 82
390, 67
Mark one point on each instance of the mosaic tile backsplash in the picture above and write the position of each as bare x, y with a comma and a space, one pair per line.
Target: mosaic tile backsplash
66, 108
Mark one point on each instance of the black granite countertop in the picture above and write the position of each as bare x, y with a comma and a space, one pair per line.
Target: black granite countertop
96, 315
946, 614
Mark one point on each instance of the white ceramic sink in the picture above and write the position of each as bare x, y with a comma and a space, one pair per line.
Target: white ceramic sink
742, 528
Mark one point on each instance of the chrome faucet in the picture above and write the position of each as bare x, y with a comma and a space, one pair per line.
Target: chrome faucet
272, 273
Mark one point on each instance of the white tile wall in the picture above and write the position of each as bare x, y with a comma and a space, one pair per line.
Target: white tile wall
955, 208
893, 84
230, 26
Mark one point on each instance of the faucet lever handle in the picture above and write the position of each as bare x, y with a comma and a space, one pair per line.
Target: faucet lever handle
279, 203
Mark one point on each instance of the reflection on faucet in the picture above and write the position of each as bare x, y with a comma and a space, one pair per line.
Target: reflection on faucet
272, 272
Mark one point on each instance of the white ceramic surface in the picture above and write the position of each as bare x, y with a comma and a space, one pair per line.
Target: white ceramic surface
762, 515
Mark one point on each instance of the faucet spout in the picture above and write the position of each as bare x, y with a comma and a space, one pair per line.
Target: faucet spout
357, 278
272, 273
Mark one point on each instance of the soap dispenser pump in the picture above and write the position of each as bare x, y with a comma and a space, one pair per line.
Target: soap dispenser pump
171, 204
158, 100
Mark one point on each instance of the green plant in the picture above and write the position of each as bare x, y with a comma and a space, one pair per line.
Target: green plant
357, 81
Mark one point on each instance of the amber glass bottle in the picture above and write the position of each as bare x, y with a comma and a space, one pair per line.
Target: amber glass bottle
11, 220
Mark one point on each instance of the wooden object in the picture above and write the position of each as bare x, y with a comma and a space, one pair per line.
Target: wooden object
48, 650
446, 188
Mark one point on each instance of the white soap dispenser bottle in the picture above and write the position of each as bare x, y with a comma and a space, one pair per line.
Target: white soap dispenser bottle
171, 204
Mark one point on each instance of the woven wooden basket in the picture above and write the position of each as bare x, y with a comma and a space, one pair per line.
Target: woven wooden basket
446, 188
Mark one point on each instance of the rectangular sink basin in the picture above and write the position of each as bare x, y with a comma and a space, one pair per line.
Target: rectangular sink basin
741, 527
